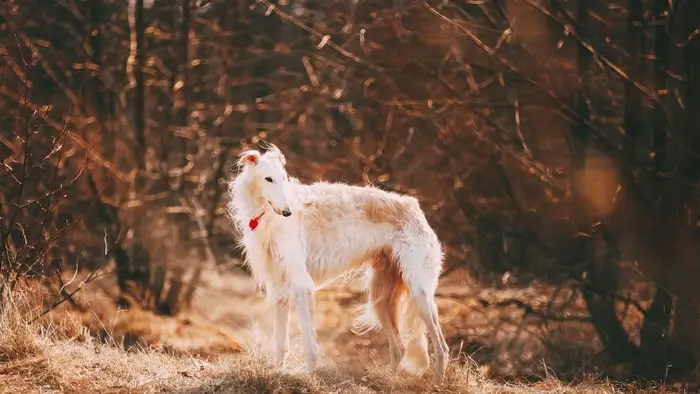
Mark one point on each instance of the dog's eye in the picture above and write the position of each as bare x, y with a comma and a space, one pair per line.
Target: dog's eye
268, 179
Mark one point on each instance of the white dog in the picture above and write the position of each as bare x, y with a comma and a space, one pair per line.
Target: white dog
299, 237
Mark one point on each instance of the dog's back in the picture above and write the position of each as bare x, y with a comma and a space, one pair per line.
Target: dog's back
343, 226
325, 203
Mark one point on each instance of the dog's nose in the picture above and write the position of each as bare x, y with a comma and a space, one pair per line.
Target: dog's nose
286, 212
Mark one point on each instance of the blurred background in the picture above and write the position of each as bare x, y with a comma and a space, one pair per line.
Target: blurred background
553, 144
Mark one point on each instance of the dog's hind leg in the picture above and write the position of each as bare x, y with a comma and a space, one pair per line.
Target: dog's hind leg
385, 293
416, 358
420, 264
425, 302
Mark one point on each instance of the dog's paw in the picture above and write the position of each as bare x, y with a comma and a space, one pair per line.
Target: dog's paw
413, 367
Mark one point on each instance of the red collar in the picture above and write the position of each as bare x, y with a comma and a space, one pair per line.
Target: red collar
253, 223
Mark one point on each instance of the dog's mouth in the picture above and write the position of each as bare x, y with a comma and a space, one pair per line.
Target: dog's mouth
282, 212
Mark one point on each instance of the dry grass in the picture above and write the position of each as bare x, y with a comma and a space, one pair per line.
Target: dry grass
64, 358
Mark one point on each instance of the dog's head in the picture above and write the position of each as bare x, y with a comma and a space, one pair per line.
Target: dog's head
268, 170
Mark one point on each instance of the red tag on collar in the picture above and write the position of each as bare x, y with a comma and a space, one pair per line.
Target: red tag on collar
253, 223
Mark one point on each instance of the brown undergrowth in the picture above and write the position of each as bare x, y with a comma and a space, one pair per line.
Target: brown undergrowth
219, 347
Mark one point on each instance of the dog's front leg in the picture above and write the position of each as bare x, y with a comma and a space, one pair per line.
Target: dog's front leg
303, 291
302, 286
281, 331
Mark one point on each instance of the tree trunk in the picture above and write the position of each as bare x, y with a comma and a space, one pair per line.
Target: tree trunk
133, 262
686, 327
652, 360
663, 355
602, 279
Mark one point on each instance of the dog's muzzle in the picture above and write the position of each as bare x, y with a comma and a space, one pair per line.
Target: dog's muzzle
286, 212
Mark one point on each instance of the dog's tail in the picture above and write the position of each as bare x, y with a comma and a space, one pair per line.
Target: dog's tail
387, 295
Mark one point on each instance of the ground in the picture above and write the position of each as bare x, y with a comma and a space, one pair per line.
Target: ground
223, 345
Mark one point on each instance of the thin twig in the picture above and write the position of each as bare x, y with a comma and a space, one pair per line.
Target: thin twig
518, 127
531, 311
325, 39
91, 277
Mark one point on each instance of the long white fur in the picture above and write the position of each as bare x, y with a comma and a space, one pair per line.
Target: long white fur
323, 240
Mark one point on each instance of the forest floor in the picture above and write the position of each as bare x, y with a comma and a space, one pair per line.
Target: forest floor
222, 344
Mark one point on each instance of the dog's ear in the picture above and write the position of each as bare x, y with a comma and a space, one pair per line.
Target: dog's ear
270, 147
281, 158
249, 157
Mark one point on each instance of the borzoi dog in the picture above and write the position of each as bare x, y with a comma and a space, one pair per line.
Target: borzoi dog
298, 237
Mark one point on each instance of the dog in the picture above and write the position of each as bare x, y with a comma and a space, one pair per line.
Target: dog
297, 238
